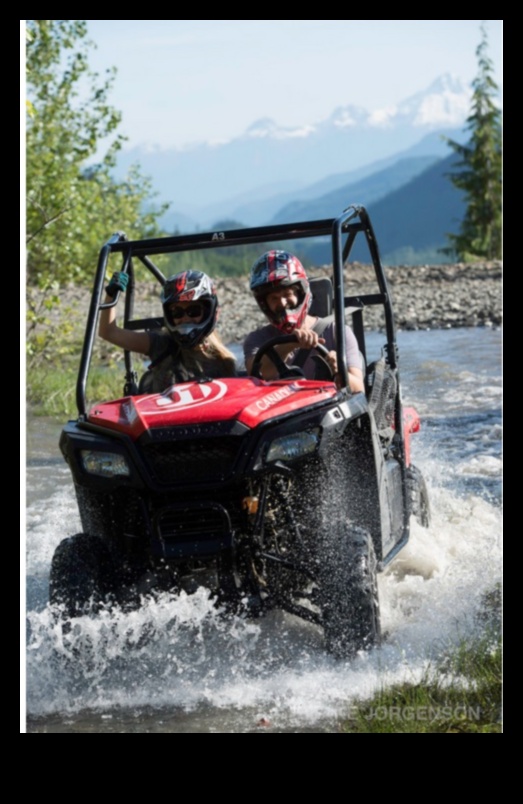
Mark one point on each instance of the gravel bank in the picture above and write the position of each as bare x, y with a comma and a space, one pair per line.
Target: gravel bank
424, 297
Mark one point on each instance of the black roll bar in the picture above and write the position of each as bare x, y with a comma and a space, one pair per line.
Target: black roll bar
349, 224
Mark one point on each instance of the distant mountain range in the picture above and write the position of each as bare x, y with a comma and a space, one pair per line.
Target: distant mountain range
269, 203
411, 222
196, 176
393, 161
371, 188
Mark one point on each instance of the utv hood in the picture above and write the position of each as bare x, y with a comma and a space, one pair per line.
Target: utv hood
246, 400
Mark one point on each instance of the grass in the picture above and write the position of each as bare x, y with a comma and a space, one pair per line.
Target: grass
468, 704
51, 389
53, 360
460, 694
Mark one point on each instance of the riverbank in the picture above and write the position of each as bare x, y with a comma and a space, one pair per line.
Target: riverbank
424, 297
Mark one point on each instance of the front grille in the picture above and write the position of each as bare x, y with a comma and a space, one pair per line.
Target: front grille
193, 529
208, 460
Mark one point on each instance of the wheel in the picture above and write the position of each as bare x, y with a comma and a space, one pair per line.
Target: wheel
418, 496
284, 371
81, 577
349, 592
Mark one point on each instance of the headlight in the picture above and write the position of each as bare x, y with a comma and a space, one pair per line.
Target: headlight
104, 464
294, 445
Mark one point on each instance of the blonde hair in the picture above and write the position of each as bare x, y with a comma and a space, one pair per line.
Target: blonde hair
214, 346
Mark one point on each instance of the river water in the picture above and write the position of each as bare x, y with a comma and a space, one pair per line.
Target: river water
177, 667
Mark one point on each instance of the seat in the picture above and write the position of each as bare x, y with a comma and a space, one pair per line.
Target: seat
322, 303
145, 386
322, 295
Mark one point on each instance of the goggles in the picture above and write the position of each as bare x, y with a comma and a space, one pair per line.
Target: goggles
192, 311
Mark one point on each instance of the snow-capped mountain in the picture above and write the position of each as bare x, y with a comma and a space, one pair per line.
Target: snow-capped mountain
265, 154
267, 129
445, 103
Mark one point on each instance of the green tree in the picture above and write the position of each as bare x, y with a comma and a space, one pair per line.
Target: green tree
478, 171
74, 204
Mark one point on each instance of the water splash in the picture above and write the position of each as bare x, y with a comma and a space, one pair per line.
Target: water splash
182, 654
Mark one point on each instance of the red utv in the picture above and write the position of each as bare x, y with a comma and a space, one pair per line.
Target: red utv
292, 493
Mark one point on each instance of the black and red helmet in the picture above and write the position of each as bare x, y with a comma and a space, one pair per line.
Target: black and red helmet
190, 286
275, 270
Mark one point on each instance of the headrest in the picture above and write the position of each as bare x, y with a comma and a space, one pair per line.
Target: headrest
321, 289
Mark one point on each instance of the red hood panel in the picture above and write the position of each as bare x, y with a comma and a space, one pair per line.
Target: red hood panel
243, 399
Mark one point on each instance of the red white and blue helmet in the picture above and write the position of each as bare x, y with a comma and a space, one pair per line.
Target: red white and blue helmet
184, 287
275, 270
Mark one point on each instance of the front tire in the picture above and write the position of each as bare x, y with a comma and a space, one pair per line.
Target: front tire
349, 593
81, 576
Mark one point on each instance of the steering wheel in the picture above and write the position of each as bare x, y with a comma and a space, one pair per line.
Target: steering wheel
285, 371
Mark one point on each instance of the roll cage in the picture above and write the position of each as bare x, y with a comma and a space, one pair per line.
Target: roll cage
342, 230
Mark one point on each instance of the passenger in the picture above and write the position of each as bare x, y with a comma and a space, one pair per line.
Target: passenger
188, 348
281, 288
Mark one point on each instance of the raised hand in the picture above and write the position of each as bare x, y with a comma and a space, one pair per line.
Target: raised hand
118, 283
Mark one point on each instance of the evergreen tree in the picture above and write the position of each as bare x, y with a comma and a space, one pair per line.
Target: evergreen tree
478, 171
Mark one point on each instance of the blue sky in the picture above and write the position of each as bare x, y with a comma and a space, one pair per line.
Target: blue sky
184, 81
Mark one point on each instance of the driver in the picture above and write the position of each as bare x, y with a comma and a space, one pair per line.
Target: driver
281, 288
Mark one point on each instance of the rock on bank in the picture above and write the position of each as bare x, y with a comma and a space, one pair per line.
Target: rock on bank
424, 297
